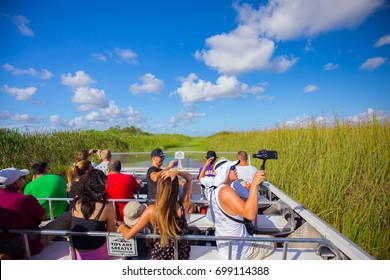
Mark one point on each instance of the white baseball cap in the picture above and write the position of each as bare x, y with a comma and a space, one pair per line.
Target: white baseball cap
222, 168
10, 175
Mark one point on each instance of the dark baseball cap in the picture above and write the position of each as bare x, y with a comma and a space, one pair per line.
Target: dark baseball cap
157, 153
211, 154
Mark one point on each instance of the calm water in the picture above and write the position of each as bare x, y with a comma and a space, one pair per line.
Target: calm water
191, 160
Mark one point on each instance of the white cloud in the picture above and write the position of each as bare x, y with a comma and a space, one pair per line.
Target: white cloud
105, 118
242, 51
308, 47
56, 120
91, 97
384, 40
134, 117
372, 63
250, 47
108, 113
25, 118
20, 94
184, 118
306, 120
126, 56
22, 23
310, 88
99, 56
118, 55
265, 97
194, 89
95, 117
80, 79
44, 74
368, 116
150, 84
291, 19
331, 66
113, 111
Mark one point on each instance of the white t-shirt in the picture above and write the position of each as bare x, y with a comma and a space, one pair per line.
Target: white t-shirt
103, 167
246, 173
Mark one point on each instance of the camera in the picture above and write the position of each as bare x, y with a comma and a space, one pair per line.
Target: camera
264, 154
94, 151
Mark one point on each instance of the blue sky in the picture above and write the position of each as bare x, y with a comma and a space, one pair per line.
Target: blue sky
192, 67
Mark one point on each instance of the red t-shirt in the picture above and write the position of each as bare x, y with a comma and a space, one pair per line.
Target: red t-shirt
121, 186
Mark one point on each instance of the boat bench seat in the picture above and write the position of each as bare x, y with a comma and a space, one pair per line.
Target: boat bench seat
211, 253
55, 250
58, 250
266, 223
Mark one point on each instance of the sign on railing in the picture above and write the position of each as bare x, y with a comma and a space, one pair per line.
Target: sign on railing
118, 246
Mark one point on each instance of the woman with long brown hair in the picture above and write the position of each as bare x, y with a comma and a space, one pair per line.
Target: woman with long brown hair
167, 216
92, 212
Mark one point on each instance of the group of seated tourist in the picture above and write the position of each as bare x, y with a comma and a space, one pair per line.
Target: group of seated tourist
90, 187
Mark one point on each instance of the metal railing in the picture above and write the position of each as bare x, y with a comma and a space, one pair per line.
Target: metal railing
144, 200
283, 240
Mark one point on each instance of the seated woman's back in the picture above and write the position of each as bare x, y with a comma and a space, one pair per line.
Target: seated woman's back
92, 212
100, 220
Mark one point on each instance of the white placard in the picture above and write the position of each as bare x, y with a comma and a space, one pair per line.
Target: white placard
119, 246
179, 155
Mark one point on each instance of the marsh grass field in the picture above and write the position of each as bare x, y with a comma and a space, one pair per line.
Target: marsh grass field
340, 173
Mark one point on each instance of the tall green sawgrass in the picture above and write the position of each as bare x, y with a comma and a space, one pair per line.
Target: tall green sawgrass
60, 148
340, 173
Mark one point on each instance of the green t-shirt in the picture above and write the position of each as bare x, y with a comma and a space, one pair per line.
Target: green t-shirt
49, 186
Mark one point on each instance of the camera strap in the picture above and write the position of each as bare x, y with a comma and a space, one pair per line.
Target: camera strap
230, 217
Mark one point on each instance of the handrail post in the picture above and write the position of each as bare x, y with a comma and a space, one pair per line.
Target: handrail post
26, 246
176, 249
285, 249
292, 218
115, 219
51, 210
230, 249
72, 249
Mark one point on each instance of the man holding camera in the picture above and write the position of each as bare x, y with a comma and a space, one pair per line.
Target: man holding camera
228, 211
105, 157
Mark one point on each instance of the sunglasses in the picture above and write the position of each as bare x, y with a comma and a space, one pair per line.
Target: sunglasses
233, 167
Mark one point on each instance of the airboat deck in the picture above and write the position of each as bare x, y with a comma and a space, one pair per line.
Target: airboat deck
299, 233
